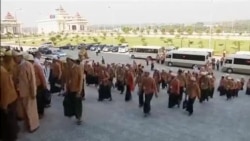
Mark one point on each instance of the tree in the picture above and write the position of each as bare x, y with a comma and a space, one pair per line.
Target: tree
52, 39
171, 31
134, 31
126, 30
148, 31
9, 35
200, 44
144, 43
218, 30
189, 30
163, 30
155, 31
122, 40
58, 37
95, 40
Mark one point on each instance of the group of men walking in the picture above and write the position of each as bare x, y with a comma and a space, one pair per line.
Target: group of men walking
25, 93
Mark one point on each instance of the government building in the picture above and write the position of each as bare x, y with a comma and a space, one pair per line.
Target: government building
61, 21
9, 24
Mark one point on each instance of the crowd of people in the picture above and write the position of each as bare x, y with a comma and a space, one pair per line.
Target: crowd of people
25, 92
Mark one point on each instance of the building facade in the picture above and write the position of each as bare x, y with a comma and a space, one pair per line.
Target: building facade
62, 22
9, 24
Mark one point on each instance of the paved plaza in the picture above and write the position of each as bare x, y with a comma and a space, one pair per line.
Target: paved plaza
216, 120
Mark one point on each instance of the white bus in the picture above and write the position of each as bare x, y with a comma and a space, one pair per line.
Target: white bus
210, 51
243, 52
143, 52
239, 63
186, 58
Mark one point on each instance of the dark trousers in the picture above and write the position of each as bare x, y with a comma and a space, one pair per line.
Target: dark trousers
120, 86
211, 92
204, 95
163, 84
229, 94
128, 95
222, 90
141, 97
181, 94
173, 100
8, 123
152, 66
40, 100
75, 104
248, 91
104, 92
190, 105
147, 105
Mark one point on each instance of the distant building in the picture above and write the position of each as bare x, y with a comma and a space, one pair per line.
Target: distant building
9, 24
62, 22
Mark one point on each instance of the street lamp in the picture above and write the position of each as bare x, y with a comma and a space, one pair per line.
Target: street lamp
18, 32
210, 27
112, 20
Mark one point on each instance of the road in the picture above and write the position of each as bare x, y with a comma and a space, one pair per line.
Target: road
216, 120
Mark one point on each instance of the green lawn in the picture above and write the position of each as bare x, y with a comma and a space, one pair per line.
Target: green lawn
218, 45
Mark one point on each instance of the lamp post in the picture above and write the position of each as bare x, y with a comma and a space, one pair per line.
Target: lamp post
210, 27
18, 32
112, 20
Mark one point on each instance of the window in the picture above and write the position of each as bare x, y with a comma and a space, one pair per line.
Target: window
73, 27
169, 56
228, 61
189, 57
239, 61
143, 50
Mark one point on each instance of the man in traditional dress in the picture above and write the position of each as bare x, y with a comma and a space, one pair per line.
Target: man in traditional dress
248, 87
55, 76
204, 86
74, 89
139, 79
40, 84
157, 78
211, 79
163, 79
193, 92
149, 89
26, 89
104, 91
120, 74
174, 91
129, 84
8, 97
183, 83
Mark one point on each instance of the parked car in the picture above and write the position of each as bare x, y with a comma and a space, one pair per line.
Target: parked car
106, 49
59, 53
68, 46
45, 50
93, 48
115, 49
32, 50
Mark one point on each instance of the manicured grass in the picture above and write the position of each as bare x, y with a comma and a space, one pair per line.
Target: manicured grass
219, 45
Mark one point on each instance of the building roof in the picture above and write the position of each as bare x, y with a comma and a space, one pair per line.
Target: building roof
9, 16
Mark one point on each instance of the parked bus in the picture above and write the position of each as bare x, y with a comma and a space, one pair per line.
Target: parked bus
187, 58
210, 51
143, 52
243, 52
238, 63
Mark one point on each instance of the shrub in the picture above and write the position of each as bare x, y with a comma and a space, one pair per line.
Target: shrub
144, 43
33, 42
24, 42
42, 40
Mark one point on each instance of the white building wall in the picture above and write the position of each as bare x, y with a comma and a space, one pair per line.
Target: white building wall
48, 26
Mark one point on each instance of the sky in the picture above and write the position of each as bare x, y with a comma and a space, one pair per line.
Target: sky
99, 12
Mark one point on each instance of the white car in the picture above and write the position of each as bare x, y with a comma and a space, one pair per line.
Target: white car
32, 50
59, 53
